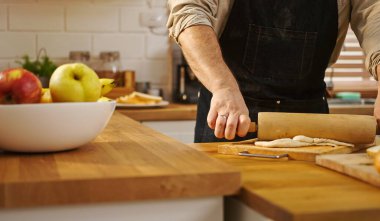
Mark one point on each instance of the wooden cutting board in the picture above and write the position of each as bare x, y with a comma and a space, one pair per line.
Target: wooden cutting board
299, 153
358, 165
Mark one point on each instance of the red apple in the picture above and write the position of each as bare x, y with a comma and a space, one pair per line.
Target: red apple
19, 86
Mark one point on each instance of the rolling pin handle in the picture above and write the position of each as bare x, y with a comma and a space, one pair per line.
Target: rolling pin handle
252, 127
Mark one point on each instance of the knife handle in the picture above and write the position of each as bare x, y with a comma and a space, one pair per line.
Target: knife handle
252, 127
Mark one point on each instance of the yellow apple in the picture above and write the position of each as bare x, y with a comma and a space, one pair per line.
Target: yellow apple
74, 82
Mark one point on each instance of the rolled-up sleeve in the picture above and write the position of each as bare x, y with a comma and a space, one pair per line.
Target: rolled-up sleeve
365, 21
186, 13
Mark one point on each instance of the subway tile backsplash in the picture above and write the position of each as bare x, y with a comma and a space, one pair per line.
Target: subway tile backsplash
35, 17
131, 46
129, 16
92, 18
16, 44
3, 17
61, 26
59, 45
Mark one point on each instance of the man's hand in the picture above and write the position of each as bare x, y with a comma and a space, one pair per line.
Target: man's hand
228, 114
377, 103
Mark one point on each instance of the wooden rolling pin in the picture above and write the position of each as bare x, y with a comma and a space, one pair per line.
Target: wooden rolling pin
355, 129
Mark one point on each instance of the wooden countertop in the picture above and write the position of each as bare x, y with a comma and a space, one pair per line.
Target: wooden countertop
352, 109
126, 162
170, 112
189, 112
298, 190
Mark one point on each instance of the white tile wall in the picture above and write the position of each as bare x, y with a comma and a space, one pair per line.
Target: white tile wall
15, 45
64, 2
61, 26
92, 18
59, 45
4, 65
157, 46
157, 3
122, 2
3, 17
155, 72
30, 17
130, 19
17, 1
129, 45
134, 64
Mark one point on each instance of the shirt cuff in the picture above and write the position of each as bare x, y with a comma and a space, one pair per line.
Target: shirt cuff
186, 21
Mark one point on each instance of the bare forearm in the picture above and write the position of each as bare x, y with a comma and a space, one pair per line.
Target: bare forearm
201, 49
228, 114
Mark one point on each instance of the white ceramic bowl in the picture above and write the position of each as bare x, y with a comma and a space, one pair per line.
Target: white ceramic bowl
52, 127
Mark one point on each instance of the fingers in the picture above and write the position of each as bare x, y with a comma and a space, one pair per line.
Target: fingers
243, 126
230, 129
228, 126
211, 118
220, 125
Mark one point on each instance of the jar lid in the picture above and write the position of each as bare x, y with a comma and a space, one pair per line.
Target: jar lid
79, 55
109, 55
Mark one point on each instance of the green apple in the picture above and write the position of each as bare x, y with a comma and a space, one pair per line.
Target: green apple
74, 82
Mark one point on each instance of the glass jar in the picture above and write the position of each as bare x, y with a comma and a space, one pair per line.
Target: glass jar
80, 57
110, 67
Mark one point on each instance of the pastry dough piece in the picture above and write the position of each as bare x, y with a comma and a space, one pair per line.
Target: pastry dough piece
139, 98
372, 151
284, 142
301, 141
324, 141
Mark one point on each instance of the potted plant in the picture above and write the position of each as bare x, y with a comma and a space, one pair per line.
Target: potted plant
43, 67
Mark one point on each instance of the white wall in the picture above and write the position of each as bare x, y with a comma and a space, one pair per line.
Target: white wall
61, 26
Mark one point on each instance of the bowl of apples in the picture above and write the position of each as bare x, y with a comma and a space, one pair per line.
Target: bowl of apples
67, 115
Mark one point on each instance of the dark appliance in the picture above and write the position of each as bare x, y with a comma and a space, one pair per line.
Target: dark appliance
186, 85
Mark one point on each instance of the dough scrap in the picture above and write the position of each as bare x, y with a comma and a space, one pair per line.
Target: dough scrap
301, 141
324, 141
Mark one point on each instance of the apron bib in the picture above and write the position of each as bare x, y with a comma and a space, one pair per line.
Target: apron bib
278, 51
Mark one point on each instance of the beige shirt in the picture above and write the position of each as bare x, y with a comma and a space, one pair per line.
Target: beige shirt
363, 15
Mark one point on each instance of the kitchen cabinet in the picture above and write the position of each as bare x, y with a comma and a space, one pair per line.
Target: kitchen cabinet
210, 209
181, 130
175, 120
129, 172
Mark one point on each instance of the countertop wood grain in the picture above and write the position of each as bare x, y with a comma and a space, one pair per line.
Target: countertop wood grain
168, 113
189, 112
352, 109
298, 190
126, 162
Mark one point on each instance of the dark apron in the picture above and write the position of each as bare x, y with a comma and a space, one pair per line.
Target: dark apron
278, 51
